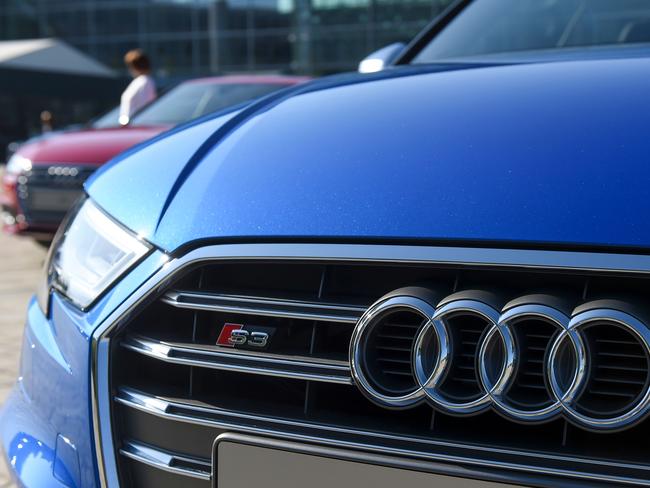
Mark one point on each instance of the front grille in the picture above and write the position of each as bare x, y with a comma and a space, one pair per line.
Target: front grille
47, 192
174, 390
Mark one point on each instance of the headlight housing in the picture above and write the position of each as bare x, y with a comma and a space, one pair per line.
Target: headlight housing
18, 164
89, 253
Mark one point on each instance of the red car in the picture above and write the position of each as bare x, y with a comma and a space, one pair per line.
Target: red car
45, 177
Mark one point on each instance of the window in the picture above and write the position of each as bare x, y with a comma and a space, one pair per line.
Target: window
505, 26
192, 100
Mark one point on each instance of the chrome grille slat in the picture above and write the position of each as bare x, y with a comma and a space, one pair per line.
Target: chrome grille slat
394, 337
609, 393
180, 465
291, 309
393, 348
217, 358
610, 342
469, 381
620, 368
397, 361
406, 374
622, 381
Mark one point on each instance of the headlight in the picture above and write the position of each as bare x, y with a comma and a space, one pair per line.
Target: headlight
18, 164
89, 253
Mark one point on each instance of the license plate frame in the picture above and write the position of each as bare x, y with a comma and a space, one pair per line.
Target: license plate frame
245, 461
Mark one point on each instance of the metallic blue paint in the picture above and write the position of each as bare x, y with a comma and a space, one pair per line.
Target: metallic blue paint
47, 417
539, 153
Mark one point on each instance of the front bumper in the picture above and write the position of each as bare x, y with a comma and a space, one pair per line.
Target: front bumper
46, 424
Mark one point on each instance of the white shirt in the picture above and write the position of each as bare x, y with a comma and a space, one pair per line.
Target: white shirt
140, 92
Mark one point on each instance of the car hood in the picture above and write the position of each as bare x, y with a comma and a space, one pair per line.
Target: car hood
522, 155
91, 146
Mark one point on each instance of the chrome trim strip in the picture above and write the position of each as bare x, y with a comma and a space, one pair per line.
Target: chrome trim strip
504, 331
360, 337
165, 461
167, 409
363, 253
438, 330
287, 309
263, 364
94, 407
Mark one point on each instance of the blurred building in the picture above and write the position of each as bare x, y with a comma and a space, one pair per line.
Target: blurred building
185, 38
39, 75
197, 37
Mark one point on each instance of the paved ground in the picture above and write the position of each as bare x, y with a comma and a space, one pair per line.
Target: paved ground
20, 268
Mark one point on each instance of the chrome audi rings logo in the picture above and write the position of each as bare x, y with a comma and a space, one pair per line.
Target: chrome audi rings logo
529, 360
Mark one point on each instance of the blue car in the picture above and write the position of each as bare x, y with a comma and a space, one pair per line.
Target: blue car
432, 275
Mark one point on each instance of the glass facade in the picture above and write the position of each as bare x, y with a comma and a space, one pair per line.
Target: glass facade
197, 37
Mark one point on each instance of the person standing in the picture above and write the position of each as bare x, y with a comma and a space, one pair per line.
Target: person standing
142, 90
47, 122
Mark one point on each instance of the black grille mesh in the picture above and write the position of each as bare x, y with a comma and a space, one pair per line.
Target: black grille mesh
388, 357
533, 338
618, 373
462, 383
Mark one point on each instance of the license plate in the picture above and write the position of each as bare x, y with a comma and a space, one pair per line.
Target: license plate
245, 462
53, 200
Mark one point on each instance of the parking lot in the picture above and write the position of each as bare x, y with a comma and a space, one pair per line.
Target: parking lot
20, 267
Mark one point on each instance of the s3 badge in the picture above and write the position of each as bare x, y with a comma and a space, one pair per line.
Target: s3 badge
240, 335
